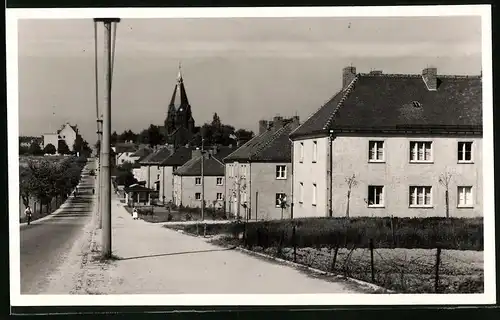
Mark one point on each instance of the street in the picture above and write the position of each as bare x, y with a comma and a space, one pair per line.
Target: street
46, 243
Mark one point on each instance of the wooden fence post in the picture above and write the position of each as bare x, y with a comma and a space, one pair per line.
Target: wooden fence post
438, 261
371, 260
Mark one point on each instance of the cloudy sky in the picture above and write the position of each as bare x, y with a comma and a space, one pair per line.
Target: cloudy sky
243, 69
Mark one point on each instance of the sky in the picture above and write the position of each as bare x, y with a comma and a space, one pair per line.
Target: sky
245, 69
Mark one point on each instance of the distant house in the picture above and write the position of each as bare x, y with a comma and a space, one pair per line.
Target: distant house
399, 137
150, 167
259, 173
188, 180
140, 154
125, 152
67, 133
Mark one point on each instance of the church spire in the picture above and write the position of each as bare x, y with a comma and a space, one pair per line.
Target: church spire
179, 75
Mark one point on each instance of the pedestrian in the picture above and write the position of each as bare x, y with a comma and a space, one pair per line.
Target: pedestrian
28, 214
135, 214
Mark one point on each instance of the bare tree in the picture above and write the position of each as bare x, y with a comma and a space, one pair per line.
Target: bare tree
351, 182
444, 180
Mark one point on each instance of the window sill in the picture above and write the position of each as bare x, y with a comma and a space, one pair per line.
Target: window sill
280, 178
421, 207
465, 162
376, 206
376, 161
422, 162
465, 207
219, 185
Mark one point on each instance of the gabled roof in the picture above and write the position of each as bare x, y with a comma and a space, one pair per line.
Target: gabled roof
178, 158
125, 147
375, 102
142, 152
211, 167
273, 145
157, 157
137, 187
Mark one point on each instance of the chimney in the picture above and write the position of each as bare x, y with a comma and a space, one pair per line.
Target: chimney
263, 125
195, 153
295, 121
430, 78
277, 122
348, 74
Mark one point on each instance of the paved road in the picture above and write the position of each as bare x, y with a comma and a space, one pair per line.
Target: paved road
45, 244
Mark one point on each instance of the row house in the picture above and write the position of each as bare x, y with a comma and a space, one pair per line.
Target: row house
259, 173
392, 144
189, 181
167, 167
150, 172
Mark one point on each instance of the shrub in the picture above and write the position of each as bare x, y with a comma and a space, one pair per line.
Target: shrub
410, 233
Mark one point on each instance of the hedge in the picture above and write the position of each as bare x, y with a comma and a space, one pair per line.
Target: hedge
410, 233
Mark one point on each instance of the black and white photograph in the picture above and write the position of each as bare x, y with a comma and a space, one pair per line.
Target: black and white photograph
250, 156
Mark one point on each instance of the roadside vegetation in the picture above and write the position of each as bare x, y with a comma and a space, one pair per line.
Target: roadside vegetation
45, 184
408, 255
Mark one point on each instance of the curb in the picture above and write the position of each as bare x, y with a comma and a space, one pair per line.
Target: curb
369, 285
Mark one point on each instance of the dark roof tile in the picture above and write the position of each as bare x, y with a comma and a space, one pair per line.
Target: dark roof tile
379, 101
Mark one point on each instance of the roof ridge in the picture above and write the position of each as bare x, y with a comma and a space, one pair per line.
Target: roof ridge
413, 75
347, 91
273, 137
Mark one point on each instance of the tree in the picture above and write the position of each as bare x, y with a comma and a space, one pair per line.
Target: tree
114, 138
63, 147
152, 136
444, 180
127, 135
78, 144
351, 182
49, 149
26, 185
244, 135
35, 149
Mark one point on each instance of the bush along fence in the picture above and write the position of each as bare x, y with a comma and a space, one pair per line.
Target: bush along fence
419, 255
46, 184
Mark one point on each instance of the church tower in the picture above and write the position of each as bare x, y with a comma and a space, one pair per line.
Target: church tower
179, 124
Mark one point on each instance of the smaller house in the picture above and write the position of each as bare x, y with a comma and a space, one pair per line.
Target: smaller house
188, 179
137, 195
67, 133
140, 154
150, 166
259, 173
168, 166
124, 152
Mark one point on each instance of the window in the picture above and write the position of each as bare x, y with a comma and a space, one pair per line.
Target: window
465, 196
243, 171
280, 172
301, 152
420, 196
420, 151
376, 152
375, 196
279, 198
197, 181
219, 196
219, 181
465, 152
301, 192
197, 196
314, 195
315, 151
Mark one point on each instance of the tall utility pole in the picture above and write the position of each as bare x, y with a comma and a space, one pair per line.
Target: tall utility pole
99, 172
202, 179
106, 140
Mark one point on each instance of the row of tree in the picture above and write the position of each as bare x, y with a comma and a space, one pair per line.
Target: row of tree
44, 180
81, 146
213, 133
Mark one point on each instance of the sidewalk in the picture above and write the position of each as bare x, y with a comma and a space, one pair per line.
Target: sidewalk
150, 259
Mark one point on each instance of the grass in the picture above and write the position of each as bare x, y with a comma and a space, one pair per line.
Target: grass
405, 263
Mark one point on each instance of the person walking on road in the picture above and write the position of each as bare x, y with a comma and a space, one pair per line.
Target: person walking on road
135, 214
28, 214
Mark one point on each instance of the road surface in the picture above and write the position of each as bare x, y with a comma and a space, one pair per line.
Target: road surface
45, 244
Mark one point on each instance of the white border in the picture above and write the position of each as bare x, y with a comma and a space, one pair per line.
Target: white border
489, 296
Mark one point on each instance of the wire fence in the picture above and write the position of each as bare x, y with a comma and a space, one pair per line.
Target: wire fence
430, 270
